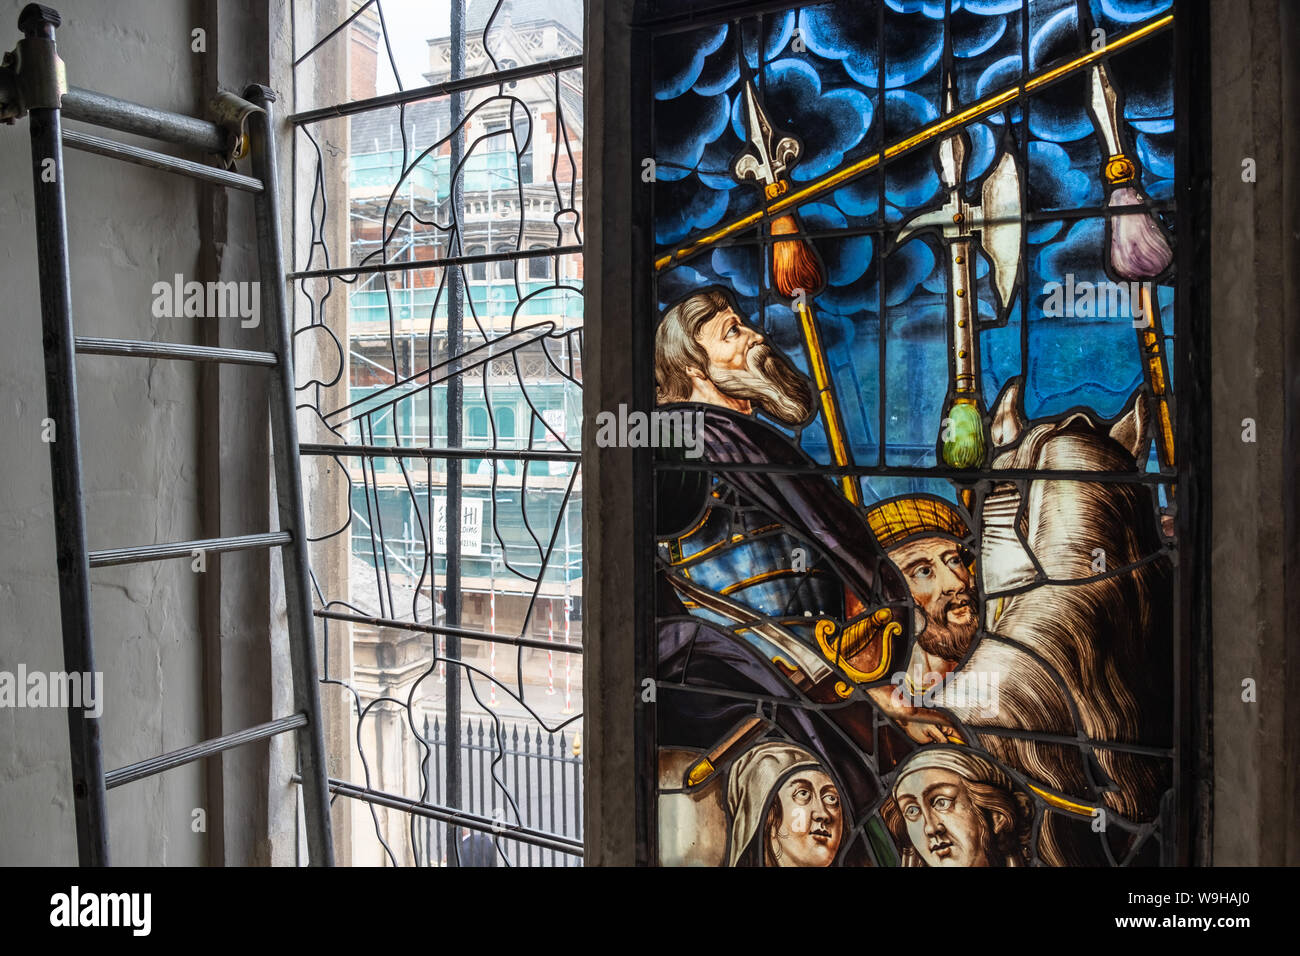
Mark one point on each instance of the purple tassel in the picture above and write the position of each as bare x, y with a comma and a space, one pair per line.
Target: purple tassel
1138, 247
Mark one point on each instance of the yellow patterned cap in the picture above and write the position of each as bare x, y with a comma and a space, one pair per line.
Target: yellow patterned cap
895, 520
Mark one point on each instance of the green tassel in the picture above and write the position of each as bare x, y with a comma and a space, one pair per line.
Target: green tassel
964, 445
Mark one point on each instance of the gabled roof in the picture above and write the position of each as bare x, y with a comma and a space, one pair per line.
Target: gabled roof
381, 125
567, 13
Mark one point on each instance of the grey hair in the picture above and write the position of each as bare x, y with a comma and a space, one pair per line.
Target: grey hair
677, 345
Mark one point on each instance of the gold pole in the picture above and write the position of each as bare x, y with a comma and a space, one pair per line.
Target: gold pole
830, 406
1052, 799
1151, 344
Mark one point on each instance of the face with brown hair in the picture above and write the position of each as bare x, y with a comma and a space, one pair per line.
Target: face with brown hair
805, 825
944, 824
942, 589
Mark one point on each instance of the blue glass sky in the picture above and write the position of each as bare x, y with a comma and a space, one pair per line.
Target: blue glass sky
820, 75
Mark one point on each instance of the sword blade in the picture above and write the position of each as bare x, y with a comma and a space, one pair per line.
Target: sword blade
794, 651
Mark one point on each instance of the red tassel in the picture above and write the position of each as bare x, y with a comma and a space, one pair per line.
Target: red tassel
794, 263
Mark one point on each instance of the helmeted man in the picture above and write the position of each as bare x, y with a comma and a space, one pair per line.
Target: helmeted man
927, 540
754, 564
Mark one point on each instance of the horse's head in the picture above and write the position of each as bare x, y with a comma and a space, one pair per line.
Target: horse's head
1066, 528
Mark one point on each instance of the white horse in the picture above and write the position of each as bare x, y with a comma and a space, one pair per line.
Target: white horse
1077, 585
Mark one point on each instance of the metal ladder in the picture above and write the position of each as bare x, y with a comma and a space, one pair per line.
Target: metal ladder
32, 82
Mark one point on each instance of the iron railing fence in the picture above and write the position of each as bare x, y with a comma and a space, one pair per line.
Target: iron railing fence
533, 779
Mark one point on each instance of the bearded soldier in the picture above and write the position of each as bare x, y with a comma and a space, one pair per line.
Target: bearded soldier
927, 540
752, 562
786, 545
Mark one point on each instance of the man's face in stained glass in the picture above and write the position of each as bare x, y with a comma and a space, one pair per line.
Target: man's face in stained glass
940, 582
744, 368
943, 824
809, 827
727, 340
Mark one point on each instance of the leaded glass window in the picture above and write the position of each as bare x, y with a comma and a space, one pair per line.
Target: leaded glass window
917, 470
438, 156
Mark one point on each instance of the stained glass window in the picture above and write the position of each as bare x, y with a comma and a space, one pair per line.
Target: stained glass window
917, 461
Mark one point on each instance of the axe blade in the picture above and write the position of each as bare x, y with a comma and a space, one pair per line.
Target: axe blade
932, 218
1000, 227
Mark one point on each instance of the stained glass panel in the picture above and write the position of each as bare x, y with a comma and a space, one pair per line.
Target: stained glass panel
915, 542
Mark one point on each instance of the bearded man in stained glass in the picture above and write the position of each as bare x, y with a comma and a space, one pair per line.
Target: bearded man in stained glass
749, 558
927, 540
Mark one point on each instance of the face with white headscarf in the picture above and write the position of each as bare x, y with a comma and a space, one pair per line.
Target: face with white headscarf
960, 809
779, 794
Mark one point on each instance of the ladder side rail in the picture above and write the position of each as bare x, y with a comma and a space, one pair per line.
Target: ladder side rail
138, 348
292, 513
85, 745
186, 549
205, 748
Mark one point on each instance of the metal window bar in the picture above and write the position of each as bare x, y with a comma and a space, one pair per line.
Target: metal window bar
464, 85
458, 818
450, 772
443, 262
32, 84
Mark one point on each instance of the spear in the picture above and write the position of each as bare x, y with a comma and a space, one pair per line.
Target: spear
1138, 250
796, 269
993, 225
944, 125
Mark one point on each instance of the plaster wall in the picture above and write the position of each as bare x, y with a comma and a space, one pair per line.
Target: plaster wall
170, 452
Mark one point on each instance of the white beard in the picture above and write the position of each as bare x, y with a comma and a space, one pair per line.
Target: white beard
755, 383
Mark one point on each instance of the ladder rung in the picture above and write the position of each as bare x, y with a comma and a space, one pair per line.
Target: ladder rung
167, 350
183, 549
156, 160
88, 106
156, 765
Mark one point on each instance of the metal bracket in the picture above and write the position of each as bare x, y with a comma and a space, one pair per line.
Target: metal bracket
32, 76
42, 77
232, 113
10, 104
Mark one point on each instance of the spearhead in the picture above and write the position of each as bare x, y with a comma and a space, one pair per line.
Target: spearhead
767, 156
1103, 104
954, 149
